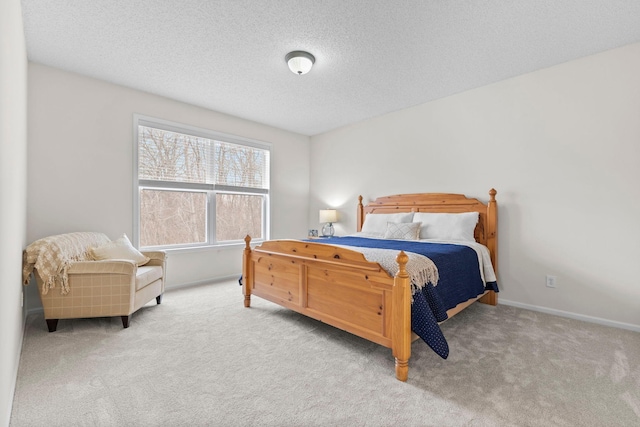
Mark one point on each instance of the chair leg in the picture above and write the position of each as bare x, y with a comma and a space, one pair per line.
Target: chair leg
159, 299
125, 321
52, 324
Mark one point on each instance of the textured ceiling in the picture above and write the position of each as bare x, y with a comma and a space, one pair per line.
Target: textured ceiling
372, 56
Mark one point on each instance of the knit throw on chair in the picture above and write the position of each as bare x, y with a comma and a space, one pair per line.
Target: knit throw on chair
51, 257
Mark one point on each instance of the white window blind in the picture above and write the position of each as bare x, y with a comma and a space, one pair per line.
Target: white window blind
198, 188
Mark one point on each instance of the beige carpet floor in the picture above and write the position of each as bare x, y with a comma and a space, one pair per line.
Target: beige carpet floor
202, 359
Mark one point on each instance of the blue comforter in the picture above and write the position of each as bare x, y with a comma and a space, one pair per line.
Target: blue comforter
459, 280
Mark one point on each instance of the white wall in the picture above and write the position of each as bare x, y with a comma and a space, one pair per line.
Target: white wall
560, 145
562, 148
81, 166
13, 200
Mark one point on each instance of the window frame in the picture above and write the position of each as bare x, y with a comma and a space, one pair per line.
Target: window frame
210, 189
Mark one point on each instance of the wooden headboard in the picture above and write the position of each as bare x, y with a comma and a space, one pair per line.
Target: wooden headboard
486, 231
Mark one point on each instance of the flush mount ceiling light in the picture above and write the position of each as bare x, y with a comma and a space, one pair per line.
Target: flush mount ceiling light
300, 62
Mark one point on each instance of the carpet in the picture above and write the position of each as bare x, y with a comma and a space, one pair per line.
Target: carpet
202, 359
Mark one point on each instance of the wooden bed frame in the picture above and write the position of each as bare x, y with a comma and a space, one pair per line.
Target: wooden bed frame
340, 287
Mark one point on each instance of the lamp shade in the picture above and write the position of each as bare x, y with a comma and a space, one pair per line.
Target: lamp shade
328, 215
300, 62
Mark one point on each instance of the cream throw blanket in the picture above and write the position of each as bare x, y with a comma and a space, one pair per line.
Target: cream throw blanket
53, 255
421, 269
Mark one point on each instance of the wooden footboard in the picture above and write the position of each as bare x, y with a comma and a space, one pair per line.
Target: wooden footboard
336, 286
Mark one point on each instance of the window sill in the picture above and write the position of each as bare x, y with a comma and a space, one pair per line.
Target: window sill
204, 248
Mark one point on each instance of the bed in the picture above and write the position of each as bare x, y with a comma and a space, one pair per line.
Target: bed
332, 281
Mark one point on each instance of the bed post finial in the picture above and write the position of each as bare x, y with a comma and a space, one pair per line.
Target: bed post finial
492, 194
402, 259
401, 312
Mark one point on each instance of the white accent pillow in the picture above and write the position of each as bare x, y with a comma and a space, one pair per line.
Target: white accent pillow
376, 224
403, 230
447, 226
119, 249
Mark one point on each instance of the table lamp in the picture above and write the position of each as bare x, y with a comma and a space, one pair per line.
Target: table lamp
328, 216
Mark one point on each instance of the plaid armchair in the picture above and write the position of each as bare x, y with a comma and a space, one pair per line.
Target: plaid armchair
90, 288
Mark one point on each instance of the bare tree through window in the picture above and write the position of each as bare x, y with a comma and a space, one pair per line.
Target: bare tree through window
182, 176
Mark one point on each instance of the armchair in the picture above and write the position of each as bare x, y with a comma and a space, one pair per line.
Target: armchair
88, 287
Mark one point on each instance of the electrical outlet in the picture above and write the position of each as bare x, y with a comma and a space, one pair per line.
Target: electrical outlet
552, 281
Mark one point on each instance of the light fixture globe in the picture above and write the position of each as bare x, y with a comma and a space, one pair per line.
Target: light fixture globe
300, 62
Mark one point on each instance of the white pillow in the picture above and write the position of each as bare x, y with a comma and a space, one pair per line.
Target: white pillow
403, 230
376, 224
119, 249
447, 226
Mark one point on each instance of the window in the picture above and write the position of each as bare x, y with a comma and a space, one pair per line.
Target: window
197, 187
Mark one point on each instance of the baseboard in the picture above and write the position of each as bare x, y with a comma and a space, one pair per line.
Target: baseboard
36, 310
570, 315
202, 282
